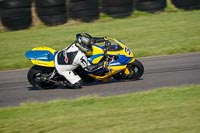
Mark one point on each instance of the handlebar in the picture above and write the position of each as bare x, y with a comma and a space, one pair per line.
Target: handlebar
107, 46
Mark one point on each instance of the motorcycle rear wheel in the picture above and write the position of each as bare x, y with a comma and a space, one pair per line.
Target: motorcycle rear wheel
36, 77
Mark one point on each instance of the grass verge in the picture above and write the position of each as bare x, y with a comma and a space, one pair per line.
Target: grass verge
166, 110
146, 34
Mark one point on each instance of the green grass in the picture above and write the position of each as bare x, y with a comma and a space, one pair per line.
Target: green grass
146, 34
165, 110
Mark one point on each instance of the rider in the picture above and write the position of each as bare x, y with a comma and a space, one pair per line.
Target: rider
75, 55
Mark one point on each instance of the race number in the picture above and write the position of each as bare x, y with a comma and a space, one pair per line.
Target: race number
127, 50
84, 61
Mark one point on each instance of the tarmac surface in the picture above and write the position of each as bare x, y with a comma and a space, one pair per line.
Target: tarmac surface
174, 70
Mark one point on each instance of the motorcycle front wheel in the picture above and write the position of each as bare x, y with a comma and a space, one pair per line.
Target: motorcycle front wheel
38, 75
137, 70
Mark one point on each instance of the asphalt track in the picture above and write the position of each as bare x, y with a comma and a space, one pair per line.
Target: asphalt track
161, 71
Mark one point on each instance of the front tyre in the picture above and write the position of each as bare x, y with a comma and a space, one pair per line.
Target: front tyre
137, 70
38, 75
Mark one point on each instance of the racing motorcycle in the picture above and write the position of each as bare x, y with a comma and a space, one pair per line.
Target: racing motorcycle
122, 65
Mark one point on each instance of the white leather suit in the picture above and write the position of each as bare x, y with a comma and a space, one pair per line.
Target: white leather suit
69, 59
74, 56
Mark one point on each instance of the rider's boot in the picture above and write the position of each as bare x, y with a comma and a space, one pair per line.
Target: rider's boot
77, 85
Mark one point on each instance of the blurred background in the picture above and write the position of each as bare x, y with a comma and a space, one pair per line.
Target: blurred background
23, 14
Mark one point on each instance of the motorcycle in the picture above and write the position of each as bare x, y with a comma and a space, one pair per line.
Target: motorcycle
122, 65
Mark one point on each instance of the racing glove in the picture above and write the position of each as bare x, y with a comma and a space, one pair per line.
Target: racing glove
99, 39
104, 64
94, 67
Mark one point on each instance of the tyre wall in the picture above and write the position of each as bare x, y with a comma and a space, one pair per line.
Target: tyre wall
151, 6
16, 14
1, 27
51, 12
1, 11
117, 8
84, 10
187, 4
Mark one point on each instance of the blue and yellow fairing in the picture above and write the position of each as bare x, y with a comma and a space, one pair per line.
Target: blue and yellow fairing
42, 56
124, 54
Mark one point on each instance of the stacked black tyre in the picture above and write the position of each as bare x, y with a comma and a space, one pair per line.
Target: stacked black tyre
117, 8
151, 6
84, 10
51, 12
16, 14
187, 4
1, 11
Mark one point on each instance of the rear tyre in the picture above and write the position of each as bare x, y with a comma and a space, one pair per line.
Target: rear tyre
37, 76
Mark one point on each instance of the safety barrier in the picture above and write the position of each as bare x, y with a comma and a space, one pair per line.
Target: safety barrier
17, 14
